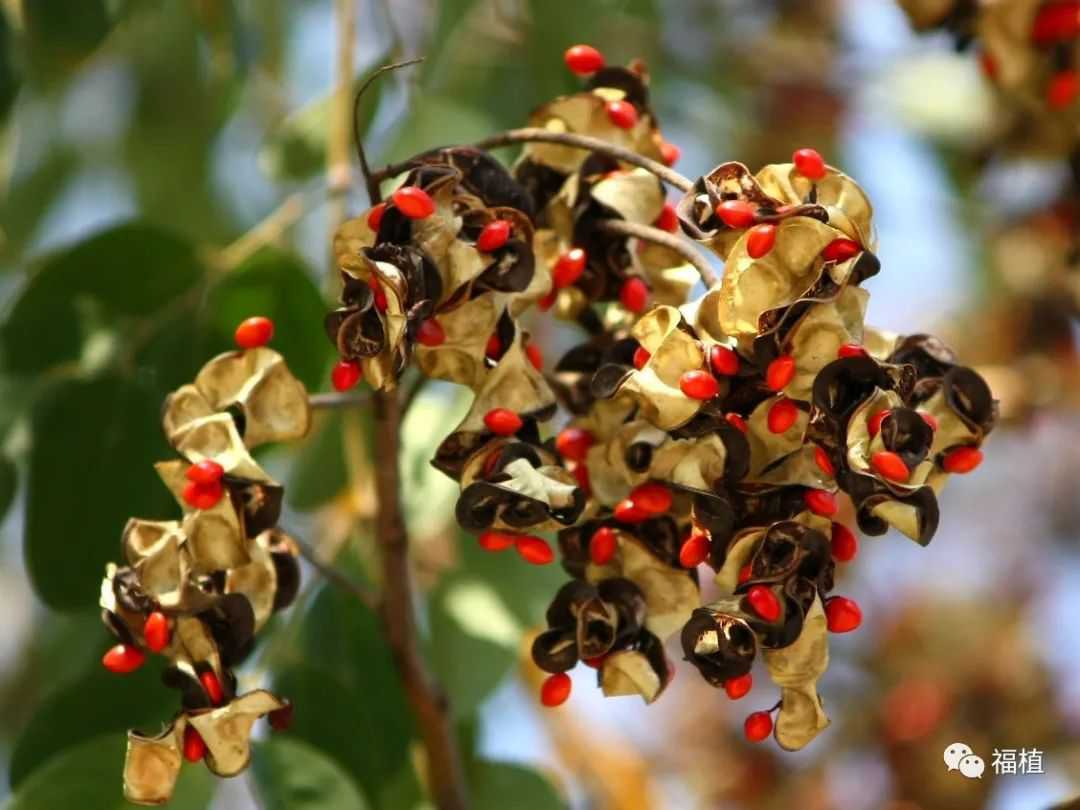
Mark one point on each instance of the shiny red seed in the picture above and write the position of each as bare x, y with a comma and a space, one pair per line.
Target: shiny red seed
622, 114
1056, 22
194, 745
929, 419
555, 689
281, 719
378, 294
782, 415
820, 502
699, 385
493, 236
851, 350
534, 549
821, 458
626, 511
634, 295
737, 422
493, 348
780, 372
889, 465
212, 686
758, 726
254, 332
205, 472
583, 59
873, 424
156, 631
536, 357
760, 240
842, 615
581, 473
763, 602
840, 250
736, 213
568, 268
745, 573
574, 443
203, 496
496, 541
502, 422
430, 333
1063, 88
809, 163
602, 545
739, 687
413, 202
375, 215
652, 498
345, 375
670, 153
668, 219
641, 357
962, 460
844, 544
724, 361
123, 659
695, 550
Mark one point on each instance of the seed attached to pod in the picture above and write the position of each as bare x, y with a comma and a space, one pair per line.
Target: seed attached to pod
536, 357
123, 658
820, 502
202, 496
840, 250
502, 422
821, 458
573, 443
695, 550
737, 422
889, 465
568, 268
760, 240
873, 424
699, 385
254, 332
602, 545
652, 498
780, 372
763, 602
375, 215
345, 375
843, 543
641, 357
962, 460
194, 745
493, 236
626, 511
724, 361
534, 549
739, 687
555, 689
634, 295
496, 541
212, 686
156, 631
851, 350
668, 219
842, 615
782, 415
758, 726
622, 114
206, 471
736, 213
809, 163
430, 333
583, 59
670, 153
413, 202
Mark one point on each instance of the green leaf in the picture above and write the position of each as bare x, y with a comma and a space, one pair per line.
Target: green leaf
9, 77
319, 472
94, 442
292, 775
90, 776
127, 272
498, 785
93, 704
60, 34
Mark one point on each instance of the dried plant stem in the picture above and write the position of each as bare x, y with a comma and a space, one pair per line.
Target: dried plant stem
535, 134
429, 703
670, 240
339, 132
333, 399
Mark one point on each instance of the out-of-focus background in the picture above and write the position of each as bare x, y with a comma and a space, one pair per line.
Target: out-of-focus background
187, 142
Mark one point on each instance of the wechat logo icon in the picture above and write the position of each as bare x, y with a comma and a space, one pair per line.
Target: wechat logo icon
960, 757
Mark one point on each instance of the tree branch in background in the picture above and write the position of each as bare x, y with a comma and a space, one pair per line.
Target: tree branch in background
335, 577
669, 240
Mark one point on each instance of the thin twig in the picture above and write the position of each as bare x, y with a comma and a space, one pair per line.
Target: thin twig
426, 697
268, 231
373, 190
338, 148
335, 577
669, 240
535, 134
333, 399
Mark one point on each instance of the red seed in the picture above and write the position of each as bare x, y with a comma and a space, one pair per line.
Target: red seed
652, 498
739, 687
430, 333
626, 511
760, 240
699, 385
345, 375
745, 573
758, 726
737, 422
634, 295
493, 348
202, 496
873, 424
668, 219
602, 545
555, 689
962, 460
502, 422
929, 419
820, 502
156, 631
378, 294
496, 541
194, 745
573, 443
375, 215
780, 372
206, 471
581, 473
534, 549
782, 415
493, 236
596, 662
413, 202
844, 544
809, 163
695, 550
254, 332
842, 615
641, 357
123, 659
1063, 88
851, 350
583, 59
536, 357
281, 719
670, 153
1056, 22
568, 268
724, 361
821, 458
212, 686
889, 465
840, 250
736, 213
763, 602
622, 114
